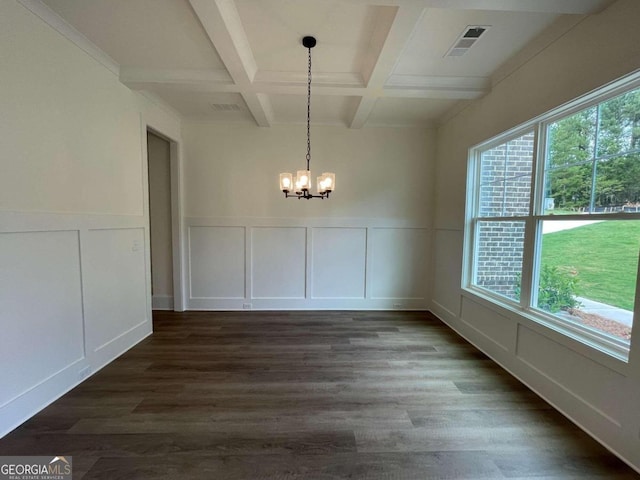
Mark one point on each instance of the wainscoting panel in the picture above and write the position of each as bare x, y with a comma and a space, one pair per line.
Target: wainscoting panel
588, 381
115, 289
493, 327
447, 268
40, 308
279, 262
73, 297
399, 262
339, 257
217, 262
306, 263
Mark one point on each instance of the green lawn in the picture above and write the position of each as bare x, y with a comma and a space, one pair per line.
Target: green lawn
559, 211
603, 255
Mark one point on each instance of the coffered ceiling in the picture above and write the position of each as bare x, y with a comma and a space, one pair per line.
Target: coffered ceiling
377, 62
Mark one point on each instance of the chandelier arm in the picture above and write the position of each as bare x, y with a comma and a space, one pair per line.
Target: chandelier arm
306, 195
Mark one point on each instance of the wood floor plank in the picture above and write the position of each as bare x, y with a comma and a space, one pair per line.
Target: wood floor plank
499, 440
410, 466
281, 420
561, 465
209, 444
309, 395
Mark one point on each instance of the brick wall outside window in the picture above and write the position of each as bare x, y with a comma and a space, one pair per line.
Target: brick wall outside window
505, 191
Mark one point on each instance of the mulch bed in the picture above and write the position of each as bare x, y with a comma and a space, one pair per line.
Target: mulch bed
603, 324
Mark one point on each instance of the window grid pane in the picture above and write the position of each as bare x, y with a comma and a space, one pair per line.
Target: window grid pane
505, 178
568, 189
619, 125
592, 159
499, 249
618, 185
588, 272
571, 140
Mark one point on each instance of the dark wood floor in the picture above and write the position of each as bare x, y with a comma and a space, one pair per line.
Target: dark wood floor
315, 395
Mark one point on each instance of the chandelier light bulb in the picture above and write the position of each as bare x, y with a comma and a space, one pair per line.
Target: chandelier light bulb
304, 177
286, 181
321, 185
329, 181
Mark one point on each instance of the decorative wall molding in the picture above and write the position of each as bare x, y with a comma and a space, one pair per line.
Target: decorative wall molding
272, 263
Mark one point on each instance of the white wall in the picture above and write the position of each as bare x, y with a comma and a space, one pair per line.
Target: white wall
366, 247
160, 219
74, 239
599, 393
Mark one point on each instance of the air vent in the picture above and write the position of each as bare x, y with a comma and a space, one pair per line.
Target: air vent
468, 38
474, 32
225, 107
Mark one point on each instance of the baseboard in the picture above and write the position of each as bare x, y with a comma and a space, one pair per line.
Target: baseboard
26, 405
218, 304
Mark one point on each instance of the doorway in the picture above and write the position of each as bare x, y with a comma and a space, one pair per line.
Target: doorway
161, 222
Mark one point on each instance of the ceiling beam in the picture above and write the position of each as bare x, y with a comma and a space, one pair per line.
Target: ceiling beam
380, 67
437, 86
259, 104
346, 79
221, 78
286, 83
221, 21
362, 112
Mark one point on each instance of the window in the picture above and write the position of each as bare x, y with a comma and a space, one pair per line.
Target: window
553, 215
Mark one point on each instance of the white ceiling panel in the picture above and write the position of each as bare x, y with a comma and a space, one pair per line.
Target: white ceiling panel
205, 106
142, 33
325, 109
408, 111
438, 30
343, 30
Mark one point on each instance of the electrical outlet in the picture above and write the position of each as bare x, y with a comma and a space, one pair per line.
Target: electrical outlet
246, 306
135, 246
397, 305
84, 373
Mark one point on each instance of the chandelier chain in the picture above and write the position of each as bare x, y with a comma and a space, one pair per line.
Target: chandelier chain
309, 113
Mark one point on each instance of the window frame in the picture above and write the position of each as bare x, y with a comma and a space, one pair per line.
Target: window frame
531, 255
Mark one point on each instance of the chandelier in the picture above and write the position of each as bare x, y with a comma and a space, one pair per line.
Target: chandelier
301, 187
